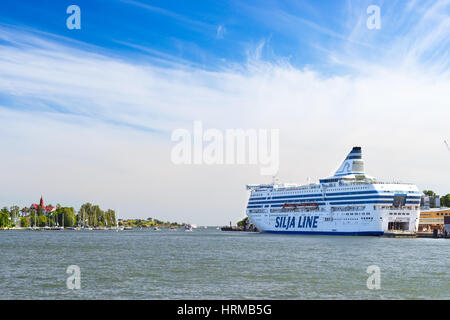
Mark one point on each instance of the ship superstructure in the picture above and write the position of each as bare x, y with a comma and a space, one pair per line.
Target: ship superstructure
348, 203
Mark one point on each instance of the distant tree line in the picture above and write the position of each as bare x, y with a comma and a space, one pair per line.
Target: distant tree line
149, 222
445, 200
87, 215
92, 215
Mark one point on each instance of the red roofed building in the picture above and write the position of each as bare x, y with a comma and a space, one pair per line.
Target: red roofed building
41, 205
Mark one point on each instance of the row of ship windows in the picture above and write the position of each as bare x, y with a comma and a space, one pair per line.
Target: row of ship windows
356, 213
312, 189
352, 219
334, 189
332, 219
353, 188
309, 190
399, 214
438, 214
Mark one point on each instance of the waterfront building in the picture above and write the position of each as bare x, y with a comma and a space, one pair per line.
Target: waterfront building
46, 209
433, 218
447, 224
427, 202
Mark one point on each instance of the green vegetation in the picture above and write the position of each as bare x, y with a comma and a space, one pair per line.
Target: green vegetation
24, 223
88, 215
64, 216
41, 221
246, 225
243, 222
92, 215
429, 193
4, 218
445, 201
150, 222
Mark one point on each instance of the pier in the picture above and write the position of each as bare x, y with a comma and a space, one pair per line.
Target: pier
406, 234
434, 235
400, 234
233, 228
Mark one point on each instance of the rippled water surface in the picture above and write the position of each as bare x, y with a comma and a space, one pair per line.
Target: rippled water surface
211, 264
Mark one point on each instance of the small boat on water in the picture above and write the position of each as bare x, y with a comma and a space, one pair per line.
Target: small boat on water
127, 228
188, 227
155, 229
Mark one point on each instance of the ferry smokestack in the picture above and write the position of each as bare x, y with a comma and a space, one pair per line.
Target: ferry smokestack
352, 165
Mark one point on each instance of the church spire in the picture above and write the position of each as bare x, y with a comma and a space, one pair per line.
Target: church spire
41, 203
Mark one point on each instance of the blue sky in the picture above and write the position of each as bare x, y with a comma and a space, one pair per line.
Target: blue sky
204, 32
209, 33
213, 35
101, 102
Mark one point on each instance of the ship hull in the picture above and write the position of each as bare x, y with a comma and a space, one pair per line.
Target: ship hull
320, 222
357, 218
330, 233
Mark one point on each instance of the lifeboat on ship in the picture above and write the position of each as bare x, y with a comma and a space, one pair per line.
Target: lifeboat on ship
304, 205
296, 205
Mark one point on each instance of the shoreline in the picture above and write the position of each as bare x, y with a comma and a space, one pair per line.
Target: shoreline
416, 235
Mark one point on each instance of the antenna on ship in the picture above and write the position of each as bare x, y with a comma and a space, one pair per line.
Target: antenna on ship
275, 179
448, 148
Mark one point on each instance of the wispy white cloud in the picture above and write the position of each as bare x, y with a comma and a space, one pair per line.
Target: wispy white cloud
160, 57
414, 34
194, 24
221, 30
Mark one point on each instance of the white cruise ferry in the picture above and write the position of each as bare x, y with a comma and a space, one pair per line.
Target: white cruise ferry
348, 203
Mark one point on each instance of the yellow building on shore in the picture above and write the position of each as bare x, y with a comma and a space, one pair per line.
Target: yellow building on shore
432, 219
